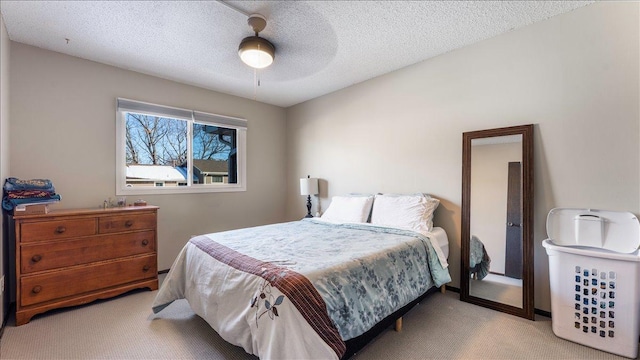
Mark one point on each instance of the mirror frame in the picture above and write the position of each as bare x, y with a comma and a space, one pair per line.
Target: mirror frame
527, 310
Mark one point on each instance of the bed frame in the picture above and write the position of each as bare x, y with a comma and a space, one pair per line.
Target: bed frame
356, 344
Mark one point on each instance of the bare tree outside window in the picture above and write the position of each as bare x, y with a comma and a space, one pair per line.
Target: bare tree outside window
210, 142
163, 142
170, 150
153, 140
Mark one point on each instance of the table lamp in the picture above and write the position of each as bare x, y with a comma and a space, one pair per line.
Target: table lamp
309, 186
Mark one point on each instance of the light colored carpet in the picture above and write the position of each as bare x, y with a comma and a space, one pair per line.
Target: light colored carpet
441, 327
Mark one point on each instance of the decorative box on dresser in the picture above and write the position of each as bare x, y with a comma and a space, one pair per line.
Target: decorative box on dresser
72, 257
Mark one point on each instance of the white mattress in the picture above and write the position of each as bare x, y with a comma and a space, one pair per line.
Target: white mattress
442, 239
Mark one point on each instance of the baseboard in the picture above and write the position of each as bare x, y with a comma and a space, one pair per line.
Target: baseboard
542, 312
6, 318
4, 323
451, 288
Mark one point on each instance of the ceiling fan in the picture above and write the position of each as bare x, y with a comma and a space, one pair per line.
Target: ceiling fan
255, 51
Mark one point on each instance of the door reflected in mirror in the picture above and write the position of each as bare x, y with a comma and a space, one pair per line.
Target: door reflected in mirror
496, 217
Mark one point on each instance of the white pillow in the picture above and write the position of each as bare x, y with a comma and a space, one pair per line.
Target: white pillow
410, 212
349, 209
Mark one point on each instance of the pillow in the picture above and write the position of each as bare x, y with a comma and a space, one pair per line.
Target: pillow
410, 212
351, 209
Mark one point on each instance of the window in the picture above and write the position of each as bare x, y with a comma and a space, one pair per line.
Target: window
165, 150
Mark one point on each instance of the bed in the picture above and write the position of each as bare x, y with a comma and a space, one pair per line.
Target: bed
479, 260
305, 289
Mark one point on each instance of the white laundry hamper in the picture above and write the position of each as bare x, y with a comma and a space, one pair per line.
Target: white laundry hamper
594, 275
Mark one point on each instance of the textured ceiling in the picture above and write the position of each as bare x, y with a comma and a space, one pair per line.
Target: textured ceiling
321, 46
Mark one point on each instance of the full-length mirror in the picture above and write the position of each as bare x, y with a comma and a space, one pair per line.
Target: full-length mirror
497, 219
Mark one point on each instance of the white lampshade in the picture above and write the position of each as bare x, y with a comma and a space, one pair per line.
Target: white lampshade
256, 52
309, 186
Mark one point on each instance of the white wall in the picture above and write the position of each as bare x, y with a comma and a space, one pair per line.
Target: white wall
4, 139
575, 76
63, 128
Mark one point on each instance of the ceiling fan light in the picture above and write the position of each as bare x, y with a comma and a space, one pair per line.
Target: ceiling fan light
256, 52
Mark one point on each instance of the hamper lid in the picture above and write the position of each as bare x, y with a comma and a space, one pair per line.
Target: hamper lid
612, 230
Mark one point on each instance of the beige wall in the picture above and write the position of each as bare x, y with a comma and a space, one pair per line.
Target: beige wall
489, 182
4, 138
575, 76
63, 128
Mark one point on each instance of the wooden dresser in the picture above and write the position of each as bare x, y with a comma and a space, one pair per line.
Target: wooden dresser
72, 257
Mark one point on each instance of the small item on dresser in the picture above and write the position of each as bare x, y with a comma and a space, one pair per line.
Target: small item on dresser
31, 209
140, 202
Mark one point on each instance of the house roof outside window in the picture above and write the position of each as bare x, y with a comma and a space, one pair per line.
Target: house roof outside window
178, 174
154, 172
213, 167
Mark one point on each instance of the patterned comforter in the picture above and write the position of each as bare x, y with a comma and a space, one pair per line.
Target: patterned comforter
479, 260
300, 289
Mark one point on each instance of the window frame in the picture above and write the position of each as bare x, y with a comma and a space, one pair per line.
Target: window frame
124, 106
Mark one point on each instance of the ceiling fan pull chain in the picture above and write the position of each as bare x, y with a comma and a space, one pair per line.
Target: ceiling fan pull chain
255, 84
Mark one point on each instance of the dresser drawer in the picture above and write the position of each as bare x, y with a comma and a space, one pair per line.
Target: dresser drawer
111, 224
84, 279
52, 255
56, 229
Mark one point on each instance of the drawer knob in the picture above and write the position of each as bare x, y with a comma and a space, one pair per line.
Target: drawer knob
36, 258
36, 289
145, 242
128, 223
60, 229
146, 268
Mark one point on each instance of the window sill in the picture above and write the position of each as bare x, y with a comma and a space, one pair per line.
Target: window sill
180, 190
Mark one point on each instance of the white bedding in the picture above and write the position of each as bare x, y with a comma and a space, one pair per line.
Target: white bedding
269, 255
437, 236
442, 239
